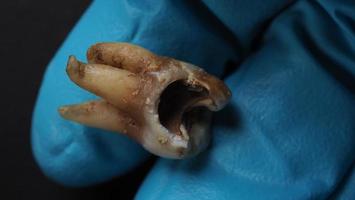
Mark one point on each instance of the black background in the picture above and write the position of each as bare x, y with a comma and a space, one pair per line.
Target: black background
30, 33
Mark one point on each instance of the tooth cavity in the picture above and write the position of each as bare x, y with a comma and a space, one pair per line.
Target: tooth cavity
162, 103
175, 101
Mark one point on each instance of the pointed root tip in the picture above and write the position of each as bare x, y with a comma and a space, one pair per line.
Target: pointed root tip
63, 111
72, 62
71, 112
75, 68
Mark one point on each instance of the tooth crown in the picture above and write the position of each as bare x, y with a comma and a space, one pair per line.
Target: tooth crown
162, 103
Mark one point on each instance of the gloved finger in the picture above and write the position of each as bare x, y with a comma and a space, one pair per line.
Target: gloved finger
289, 130
246, 19
76, 155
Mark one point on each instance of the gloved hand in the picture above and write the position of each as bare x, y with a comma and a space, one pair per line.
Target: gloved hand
288, 132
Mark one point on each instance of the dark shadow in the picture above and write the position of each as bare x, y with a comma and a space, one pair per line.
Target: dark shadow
260, 31
195, 164
228, 118
217, 27
229, 67
330, 64
323, 52
341, 186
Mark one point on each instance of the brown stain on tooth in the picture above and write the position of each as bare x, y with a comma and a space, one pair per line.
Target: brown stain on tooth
75, 68
121, 55
162, 139
135, 93
147, 97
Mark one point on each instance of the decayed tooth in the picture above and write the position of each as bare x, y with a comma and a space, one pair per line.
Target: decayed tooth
218, 91
121, 55
99, 114
162, 103
112, 84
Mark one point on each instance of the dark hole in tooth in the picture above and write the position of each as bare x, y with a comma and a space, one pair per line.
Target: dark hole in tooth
176, 105
193, 116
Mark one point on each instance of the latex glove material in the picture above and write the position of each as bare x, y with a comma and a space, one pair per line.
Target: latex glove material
289, 132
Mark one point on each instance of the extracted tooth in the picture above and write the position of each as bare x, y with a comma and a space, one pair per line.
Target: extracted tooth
163, 103
113, 84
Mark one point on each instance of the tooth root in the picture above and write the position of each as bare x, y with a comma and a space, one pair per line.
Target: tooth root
99, 114
112, 84
121, 55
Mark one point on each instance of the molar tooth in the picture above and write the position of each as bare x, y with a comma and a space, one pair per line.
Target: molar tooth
156, 100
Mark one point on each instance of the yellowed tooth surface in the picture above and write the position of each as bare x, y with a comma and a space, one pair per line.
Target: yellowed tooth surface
163, 103
121, 55
112, 84
99, 114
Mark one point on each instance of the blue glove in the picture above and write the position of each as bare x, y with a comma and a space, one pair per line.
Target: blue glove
288, 133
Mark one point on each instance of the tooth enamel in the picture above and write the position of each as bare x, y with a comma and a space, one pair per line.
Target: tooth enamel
183, 131
177, 141
155, 100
